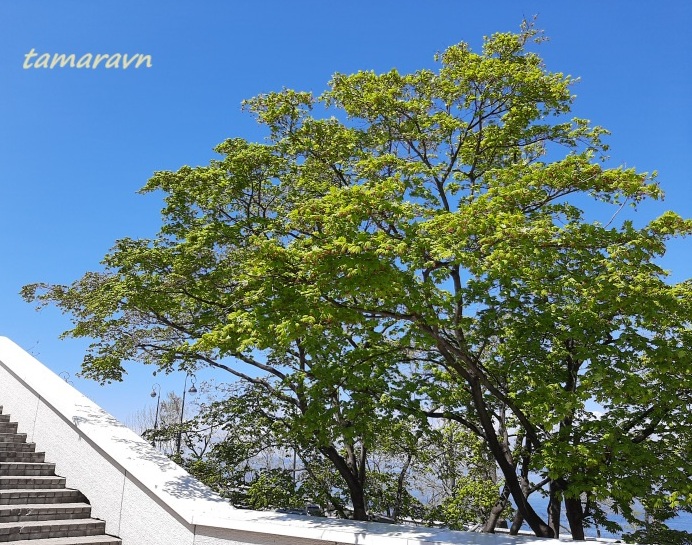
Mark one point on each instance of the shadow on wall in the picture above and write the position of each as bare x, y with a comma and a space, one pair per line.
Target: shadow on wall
97, 418
180, 485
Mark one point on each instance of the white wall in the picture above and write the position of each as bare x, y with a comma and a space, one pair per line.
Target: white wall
145, 498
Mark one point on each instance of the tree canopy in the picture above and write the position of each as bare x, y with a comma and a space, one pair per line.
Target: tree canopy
440, 244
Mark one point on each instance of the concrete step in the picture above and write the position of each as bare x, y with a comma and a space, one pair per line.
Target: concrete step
8, 427
27, 469
83, 540
16, 496
34, 503
23, 446
31, 482
44, 511
36, 529
22, 456
12, 437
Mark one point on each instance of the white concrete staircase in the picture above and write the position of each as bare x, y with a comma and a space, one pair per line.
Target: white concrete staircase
35, 503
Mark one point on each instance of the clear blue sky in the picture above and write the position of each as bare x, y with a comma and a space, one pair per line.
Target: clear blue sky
76, 144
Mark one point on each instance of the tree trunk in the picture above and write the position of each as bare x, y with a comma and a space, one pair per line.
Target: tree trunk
516, 524
496, 511
575, 517
554, 508
503, 458
539, 527
355, 486
518, 517
400, 488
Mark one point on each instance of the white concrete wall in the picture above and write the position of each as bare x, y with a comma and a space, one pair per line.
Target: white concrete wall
146, 499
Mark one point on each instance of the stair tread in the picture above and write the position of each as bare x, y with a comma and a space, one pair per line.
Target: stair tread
89, 540
11, 496
8, 480
38, 465
27, 463
37, 490
38, 523
33, 506
9, 477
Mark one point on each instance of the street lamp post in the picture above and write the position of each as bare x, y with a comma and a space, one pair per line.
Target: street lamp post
192, 390
156, 392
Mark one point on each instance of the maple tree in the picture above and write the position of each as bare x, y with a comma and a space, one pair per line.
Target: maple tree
436, 220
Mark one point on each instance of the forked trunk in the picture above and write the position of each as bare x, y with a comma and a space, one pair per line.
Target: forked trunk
356, 489
503, 458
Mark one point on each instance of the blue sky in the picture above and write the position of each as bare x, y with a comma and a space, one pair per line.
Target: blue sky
77, 144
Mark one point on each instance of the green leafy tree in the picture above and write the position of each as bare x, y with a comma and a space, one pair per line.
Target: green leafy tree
437, 216
223, 435
274, 488
245, 431
163, 301
470, 503
435, 208
652, 529
457, 478
657, 533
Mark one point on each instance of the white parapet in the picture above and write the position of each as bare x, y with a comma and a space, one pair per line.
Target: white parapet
146, 499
